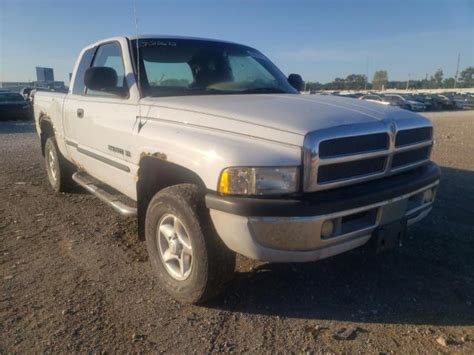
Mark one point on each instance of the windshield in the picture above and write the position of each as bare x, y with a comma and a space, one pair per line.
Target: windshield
196, 67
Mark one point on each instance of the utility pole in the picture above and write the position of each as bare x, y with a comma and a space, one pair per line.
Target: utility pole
457, 71
408, 81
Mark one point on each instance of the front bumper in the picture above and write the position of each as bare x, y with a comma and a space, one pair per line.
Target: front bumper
289, 230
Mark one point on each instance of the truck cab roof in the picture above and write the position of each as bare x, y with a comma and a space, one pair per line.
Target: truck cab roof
155, 36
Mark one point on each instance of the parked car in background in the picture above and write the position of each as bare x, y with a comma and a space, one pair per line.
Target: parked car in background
442, 102
468, 101
413, 101
400, 101
425, 99
374, 98
356, 95
14, 107
458, 101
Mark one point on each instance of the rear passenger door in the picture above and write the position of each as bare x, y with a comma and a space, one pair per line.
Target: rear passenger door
106, 124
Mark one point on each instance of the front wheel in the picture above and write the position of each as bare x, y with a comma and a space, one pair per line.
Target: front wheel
187, 255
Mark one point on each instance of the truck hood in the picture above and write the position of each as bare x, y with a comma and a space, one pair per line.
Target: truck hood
261, 114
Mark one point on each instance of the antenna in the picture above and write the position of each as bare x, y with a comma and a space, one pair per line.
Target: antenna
366, 74
138, 63
136, 34
457, 71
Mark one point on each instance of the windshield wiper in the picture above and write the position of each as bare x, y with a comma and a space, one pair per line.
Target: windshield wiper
197, 89
263, 90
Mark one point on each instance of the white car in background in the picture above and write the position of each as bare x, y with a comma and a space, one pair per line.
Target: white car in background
374, 98
400, 101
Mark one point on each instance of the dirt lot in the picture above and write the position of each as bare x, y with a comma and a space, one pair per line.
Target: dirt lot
74, 277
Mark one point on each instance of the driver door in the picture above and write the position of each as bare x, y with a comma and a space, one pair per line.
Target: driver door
106, 125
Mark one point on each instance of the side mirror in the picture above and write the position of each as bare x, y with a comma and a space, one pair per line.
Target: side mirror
101, 79
296, 81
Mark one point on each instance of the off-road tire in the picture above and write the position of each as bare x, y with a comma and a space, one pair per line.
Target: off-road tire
213, 263
61, 179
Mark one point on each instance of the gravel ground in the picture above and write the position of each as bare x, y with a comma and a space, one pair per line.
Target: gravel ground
75, 277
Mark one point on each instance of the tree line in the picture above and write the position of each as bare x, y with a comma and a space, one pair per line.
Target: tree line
381, 81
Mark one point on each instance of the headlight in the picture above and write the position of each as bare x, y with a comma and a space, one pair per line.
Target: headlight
259, 181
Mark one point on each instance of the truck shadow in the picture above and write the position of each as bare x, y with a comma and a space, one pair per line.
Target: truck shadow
430, 280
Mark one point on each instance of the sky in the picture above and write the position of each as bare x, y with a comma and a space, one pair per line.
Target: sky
320, 40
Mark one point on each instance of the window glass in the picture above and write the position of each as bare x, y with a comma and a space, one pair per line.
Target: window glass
84, 64
174, 67
110, 55
247, 70
168, 74
394, 99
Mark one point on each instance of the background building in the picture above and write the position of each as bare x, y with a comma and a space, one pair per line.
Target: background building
45, 80
44, 75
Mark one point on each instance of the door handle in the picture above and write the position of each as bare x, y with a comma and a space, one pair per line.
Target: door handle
80, 113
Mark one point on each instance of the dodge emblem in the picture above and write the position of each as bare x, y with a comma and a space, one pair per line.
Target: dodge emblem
393, 128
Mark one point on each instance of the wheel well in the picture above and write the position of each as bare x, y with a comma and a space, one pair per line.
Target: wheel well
47, 130
155, 174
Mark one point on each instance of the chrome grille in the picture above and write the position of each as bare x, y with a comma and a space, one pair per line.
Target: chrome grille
353, 145
341, 171
348, 155
412, 136
410, 157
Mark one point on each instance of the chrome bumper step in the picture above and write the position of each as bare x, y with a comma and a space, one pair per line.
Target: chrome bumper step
111, 197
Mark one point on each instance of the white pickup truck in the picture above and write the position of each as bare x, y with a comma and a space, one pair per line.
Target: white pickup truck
216, 152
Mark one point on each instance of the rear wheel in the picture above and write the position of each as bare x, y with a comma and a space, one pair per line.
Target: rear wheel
58, 168
187, 255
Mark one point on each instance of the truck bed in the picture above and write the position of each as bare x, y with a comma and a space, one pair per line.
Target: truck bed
49, 104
